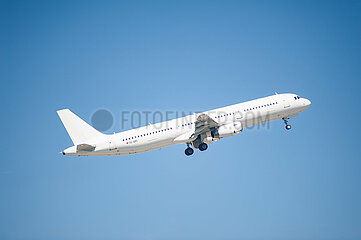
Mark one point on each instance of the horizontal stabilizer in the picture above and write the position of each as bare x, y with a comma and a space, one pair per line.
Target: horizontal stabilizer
84, 147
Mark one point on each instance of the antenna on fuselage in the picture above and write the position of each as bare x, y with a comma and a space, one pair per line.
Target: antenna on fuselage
276, 93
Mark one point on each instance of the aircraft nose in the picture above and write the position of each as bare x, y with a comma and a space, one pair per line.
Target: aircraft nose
307, 102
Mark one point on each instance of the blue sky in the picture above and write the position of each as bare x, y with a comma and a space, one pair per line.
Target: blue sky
266, 183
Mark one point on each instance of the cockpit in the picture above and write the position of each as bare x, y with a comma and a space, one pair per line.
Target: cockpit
296, 97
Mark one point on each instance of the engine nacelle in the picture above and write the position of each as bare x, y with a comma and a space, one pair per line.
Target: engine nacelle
209, 137
216, 133
228, 130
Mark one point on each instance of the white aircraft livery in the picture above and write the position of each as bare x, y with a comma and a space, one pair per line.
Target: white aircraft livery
196, 130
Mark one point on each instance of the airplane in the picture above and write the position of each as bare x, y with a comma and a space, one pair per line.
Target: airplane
196, 130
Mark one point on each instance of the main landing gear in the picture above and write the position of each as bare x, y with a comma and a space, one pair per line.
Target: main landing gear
203, 146
288, 127
189, 151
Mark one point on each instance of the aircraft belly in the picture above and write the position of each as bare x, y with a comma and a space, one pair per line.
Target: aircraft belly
144, 146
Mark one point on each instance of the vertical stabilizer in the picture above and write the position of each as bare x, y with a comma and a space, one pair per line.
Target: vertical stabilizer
79, 131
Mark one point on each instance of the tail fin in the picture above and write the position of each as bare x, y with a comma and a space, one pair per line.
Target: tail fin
78, 130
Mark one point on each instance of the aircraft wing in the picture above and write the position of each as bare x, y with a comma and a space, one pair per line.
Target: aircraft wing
203, 124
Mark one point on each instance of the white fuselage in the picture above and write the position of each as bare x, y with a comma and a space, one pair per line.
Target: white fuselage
178, 130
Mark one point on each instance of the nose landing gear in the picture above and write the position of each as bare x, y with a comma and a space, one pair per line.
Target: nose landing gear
288, 127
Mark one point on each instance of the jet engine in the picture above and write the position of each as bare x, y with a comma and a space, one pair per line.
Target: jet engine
227, 130
217, 133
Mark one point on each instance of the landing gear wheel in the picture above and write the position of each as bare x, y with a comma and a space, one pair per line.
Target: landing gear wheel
288, 127
203, 146
189, 151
